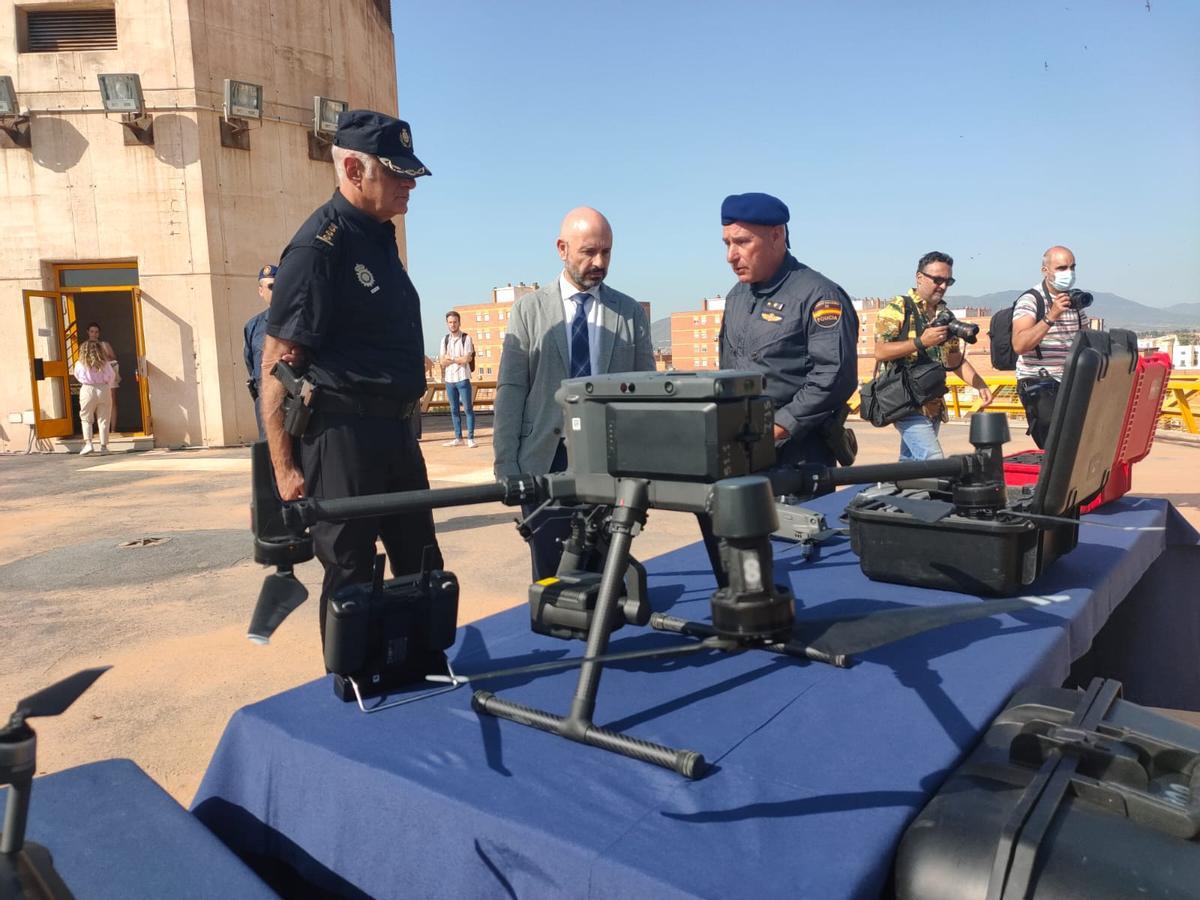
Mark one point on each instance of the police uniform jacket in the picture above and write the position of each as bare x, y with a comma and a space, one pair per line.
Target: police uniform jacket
800, 330
342, 293
252, 345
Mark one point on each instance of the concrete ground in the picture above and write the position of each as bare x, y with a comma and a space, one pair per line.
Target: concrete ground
143, 562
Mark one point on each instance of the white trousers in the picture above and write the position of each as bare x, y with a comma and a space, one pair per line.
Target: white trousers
95, 400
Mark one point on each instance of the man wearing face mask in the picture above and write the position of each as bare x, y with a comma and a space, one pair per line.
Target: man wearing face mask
1044, 322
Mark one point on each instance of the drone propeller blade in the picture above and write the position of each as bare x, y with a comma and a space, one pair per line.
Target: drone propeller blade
925, 510
281, 593
57, 698
877, 629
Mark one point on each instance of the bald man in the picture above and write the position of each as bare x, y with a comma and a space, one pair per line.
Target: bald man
573, 327
1044, 322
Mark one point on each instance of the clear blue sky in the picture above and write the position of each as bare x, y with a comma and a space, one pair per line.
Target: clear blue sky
989, 130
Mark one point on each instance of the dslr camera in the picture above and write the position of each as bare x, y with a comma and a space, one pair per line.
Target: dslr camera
964, 331
1079, 299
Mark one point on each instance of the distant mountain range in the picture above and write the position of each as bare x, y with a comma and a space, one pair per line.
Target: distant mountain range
1116, 311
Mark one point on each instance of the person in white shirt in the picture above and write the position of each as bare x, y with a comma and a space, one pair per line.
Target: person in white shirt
457, 360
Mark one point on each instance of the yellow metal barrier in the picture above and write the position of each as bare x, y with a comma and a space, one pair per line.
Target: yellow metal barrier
1180, 406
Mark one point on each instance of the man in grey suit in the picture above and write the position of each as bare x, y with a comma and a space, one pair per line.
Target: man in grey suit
573, 327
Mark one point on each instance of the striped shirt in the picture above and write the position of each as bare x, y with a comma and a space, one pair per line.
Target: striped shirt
1057, 342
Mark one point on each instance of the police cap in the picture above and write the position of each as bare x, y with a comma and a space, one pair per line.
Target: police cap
382, 136
757, 209
267, 271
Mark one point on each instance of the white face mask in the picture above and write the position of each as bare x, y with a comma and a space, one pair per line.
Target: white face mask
1064, 280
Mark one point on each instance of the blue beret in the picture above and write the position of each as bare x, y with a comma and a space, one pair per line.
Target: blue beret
757, 209
382, 136
267, 271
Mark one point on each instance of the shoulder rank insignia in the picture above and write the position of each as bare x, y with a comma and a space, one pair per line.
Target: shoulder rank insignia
366, 278
775, 305
827, 313
771, 317
328, 233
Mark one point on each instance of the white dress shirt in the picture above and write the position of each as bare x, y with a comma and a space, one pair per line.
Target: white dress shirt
592, 305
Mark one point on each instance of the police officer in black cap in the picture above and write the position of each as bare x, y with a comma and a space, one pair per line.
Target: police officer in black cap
346, 314
792, 324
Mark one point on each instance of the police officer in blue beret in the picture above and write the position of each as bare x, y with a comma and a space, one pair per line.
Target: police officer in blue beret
253, 334
346, 314
792, 324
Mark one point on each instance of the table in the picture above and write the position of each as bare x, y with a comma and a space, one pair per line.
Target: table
817, 770
114, 833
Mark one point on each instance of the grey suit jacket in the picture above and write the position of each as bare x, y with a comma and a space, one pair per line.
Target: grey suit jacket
528, 423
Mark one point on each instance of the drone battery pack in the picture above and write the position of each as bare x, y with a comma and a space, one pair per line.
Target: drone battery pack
1070, 794
391, 635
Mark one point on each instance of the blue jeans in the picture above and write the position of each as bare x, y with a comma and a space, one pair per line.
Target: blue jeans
454, 391
919, 437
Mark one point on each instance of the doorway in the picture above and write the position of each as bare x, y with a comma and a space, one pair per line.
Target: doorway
106, 294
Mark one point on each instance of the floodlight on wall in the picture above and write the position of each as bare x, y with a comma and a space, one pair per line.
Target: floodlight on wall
243, 101
122, 93
14, 127
325, 118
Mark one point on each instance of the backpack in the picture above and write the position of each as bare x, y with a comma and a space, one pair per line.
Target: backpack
1004, 358
446, 349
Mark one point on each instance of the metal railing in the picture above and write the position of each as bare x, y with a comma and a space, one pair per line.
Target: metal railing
1180, 407
483, 396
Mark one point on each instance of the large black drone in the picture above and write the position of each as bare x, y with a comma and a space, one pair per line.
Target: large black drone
700, 444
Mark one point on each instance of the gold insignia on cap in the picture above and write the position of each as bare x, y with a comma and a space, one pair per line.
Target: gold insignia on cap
411, 173
405, 139
827, 313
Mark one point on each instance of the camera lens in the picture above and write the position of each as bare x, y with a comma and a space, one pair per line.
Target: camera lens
1080, 299
967, 331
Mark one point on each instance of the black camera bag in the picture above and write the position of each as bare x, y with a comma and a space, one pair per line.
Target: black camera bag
903, 387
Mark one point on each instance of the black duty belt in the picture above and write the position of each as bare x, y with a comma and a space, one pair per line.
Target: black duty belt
366, 405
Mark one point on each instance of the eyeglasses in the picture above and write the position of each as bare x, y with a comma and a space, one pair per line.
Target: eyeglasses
937, 280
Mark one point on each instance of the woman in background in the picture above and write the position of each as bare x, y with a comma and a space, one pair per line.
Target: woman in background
94, 372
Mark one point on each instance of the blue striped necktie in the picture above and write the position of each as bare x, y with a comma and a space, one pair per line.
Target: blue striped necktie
581, 351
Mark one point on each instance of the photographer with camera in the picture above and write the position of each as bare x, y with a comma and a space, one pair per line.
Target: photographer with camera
918, 326
1044, 322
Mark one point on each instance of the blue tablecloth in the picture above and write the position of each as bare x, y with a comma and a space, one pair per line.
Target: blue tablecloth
816, 770
114, 833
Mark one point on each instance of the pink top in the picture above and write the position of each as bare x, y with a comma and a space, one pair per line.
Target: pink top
84, 375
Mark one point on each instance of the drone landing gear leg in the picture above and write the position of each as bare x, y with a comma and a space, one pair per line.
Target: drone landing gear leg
628, 515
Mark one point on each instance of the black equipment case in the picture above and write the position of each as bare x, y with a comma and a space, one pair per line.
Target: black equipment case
1070, 794
1002, 553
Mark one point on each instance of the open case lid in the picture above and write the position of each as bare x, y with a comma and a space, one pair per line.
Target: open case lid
1150, 385
1086, 426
